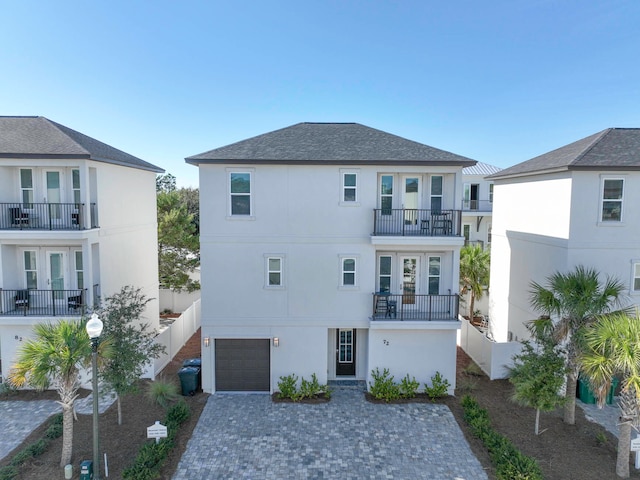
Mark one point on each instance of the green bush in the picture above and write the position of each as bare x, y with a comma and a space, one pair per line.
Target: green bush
55, 427
163, 392
177, 414
439, 387
288, 387
409, 387
312, 388
383, 387
510, 463
8, 473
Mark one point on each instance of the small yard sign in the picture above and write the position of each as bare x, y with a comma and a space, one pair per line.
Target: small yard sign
158, 431
635, 444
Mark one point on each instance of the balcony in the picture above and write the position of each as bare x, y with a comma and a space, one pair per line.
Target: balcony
416, 222
42, 303
477, 206
415, 307
46, 216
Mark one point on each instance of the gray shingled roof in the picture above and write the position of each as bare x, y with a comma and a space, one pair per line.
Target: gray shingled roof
39, 137
610, 149
330, 143
481, 168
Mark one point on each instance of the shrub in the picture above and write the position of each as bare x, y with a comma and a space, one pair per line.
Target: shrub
8, 473
383, 387
473, 370
439, 387
312, 388
163, 392
288, 387
409, 387
510, 463
55, 427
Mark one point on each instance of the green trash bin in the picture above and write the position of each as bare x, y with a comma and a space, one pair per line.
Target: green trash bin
86, 470
189, 380
586, 394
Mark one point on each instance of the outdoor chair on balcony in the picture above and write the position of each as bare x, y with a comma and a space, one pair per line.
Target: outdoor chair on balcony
18, 217
75, 302
22, 299
392, 309
424, 227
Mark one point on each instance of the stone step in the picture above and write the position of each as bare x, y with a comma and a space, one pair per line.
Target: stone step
351, 383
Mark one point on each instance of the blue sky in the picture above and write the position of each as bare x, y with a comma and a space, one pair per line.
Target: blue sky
497, 81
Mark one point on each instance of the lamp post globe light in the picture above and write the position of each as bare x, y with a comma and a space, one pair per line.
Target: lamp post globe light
94, 330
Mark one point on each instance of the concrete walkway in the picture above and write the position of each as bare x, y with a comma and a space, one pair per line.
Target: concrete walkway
249, 436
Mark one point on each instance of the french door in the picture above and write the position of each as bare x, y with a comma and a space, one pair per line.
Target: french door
54, 195
411, 189
345, 352
410, 286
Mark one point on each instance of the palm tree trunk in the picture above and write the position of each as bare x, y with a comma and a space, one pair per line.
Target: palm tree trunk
624, 446
119, 409
67, 434
570, 396
537, 421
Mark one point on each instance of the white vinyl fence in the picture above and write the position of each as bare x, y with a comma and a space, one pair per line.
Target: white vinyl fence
174, 336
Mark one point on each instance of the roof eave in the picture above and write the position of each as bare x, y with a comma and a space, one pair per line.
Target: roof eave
434, 163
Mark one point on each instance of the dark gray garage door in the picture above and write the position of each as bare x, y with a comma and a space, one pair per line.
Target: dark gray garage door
242, 365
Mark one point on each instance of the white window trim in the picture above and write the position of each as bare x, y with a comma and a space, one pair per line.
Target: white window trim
251, 172
602, 200
429, 276
24, 269
491, 192
441, 195
386, 195
634, 262
32, 189
343, 172
341, 285
391, 273
267, 257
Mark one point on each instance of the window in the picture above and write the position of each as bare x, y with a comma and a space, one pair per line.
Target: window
466, 231
491, 193
348, 272
384, 274
26, 187
274, 271
75, 183
489, 234
436, 193
30, 269
636, 277
434, 275
240, 188
612, 191
78, 268
386, 194
349, 187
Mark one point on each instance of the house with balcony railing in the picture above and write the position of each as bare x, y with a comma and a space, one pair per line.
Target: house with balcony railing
77, 223
328, 248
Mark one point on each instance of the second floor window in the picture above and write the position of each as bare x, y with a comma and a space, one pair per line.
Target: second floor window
274, 274
612, 192
491, 193
240, 188
386, 194
79, 269
75, 180
30, 269
434, 275
349, 187
348, 271
436, 193
26, 186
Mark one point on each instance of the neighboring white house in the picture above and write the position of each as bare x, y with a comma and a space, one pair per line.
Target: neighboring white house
572, 206
477, 204
328, 248
77, 222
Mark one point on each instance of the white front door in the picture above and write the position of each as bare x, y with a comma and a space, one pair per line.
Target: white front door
410, 286
56, 268
411, 201
53, 195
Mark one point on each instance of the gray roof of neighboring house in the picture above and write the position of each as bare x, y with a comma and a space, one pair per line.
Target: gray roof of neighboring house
330, 143
39, 137
610, 149
481, 168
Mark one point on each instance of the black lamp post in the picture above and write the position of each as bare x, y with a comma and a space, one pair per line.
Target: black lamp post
94, 329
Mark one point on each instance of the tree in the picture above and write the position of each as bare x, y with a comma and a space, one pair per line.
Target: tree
178, 230
53, 358
613, 349
538, 374
570, 303
474, 273
132, 339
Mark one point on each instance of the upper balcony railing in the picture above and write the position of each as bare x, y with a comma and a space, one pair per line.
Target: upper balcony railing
477, 205
42, 303
46, 216
415, 307
416, 222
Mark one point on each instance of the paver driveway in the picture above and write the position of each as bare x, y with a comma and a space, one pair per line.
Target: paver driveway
249, 436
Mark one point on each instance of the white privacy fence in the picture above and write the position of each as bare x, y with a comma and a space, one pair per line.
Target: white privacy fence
174, 336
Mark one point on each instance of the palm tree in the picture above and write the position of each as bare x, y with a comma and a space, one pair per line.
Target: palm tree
53, 358
474, 273
613, 348
571, 302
